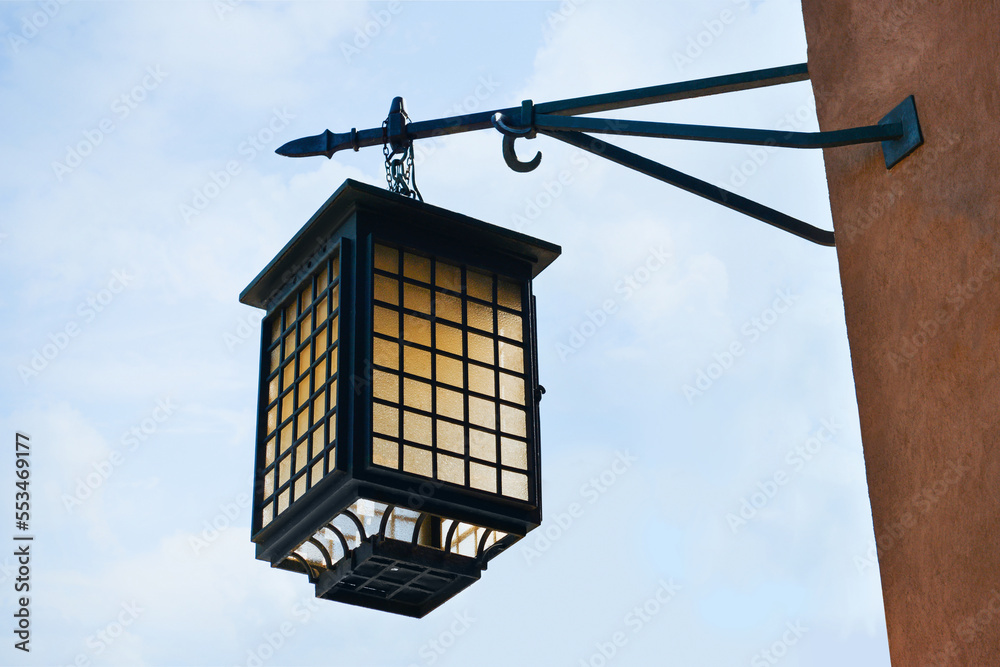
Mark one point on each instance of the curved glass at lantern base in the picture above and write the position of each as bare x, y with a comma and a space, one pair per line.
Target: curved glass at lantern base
395, 559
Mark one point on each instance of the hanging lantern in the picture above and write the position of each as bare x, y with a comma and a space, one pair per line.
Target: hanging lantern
397, 431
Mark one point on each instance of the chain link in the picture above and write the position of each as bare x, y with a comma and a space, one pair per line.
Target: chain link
400, 175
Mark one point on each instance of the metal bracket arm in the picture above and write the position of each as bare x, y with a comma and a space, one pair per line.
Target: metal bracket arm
329, 143
898, 132
695, 186
727, 135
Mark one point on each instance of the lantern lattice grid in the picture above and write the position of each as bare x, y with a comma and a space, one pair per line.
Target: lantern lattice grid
398, 440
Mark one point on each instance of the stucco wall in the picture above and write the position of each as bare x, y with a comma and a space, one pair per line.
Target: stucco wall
919, 251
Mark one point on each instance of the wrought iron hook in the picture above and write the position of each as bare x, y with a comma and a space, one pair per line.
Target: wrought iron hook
510, 157
510, 134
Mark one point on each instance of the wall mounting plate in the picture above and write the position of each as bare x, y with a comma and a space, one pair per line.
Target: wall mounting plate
895, 150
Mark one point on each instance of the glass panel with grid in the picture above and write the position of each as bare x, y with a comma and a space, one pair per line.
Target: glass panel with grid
301, 359
449, 378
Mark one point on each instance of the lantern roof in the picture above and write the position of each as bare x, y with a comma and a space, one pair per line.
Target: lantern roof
325, 226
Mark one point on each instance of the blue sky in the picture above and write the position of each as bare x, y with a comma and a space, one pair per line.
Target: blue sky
139, 194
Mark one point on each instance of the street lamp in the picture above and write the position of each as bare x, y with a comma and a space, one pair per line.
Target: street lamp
397, 434
397, 428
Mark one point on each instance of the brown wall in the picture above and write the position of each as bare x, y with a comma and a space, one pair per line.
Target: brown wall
919, 251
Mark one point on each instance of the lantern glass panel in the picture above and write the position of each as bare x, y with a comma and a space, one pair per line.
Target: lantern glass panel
460, 420
301, 390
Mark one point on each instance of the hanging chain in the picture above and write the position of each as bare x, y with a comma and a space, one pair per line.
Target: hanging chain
400, 175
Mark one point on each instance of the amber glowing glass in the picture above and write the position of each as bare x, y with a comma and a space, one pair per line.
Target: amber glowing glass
455, 409
298, 385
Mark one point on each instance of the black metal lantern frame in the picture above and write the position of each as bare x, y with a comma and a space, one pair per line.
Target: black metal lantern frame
397, 434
